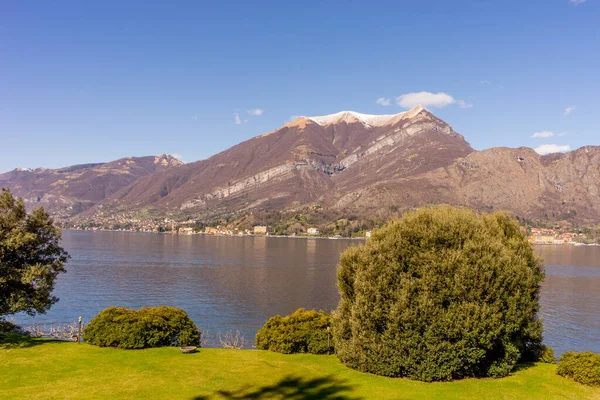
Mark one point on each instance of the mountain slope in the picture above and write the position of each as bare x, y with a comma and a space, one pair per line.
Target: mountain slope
70, 190
348, 162
299, 163
557, 186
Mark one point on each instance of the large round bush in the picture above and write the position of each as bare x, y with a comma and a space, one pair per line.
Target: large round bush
303, 331
442, 294
138, 329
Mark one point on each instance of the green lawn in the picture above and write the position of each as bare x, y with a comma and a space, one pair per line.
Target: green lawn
43, 369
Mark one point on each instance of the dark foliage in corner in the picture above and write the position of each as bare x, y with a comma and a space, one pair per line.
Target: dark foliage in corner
303, 331
582, 367
138, 329
7, 328
10, 327
30, 257
444, 293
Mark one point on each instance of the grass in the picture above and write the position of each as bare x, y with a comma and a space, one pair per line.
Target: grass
37, 368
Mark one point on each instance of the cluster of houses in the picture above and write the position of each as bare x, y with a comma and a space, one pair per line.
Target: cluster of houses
209, 230
222, 231
122, 222
128, 223
551, 236
258, 230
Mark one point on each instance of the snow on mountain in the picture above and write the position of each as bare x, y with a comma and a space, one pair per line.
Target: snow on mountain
365, 119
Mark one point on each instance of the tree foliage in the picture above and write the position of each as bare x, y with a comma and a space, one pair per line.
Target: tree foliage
139, 329
30, 257
303, 331
441, 294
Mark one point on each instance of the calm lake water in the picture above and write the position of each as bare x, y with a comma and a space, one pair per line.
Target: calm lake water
236, 283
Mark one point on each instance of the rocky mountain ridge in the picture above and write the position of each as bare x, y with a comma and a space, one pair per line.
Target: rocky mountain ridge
70, 190
348, 161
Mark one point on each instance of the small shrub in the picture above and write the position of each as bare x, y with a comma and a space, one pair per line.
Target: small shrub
547, 356
300, 332
138, 329
582, 367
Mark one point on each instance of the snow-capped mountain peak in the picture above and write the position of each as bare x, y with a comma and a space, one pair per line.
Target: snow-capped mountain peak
366, 119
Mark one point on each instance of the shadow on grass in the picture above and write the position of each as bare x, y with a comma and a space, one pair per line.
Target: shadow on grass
293, 388
15, 341
522, 367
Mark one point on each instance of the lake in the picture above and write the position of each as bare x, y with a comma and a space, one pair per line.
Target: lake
236, 283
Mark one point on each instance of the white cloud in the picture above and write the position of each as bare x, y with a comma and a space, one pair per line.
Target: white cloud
384, 102
485, 82
562, 134
569, 110
464, 104
238, 120
577, 2
256, 111
428, 99
293, 117
542, 134
552, 148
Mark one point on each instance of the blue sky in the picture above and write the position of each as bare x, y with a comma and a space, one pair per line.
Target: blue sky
96, 81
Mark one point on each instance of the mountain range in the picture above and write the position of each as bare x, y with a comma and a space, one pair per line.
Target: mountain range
346, 161
69, 191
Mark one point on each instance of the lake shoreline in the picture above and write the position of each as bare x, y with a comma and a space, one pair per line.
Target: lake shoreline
216, 235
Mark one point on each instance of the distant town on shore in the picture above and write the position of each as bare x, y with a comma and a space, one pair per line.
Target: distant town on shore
538, 236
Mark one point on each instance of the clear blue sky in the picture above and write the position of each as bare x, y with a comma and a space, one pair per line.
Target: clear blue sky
88, 81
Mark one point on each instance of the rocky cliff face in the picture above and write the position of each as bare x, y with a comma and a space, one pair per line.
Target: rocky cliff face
558, 186
70, 190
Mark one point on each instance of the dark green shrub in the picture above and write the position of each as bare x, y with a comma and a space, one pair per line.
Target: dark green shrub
582, 367
300, 332
538, 353
7, 328
442, 294
138, 329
